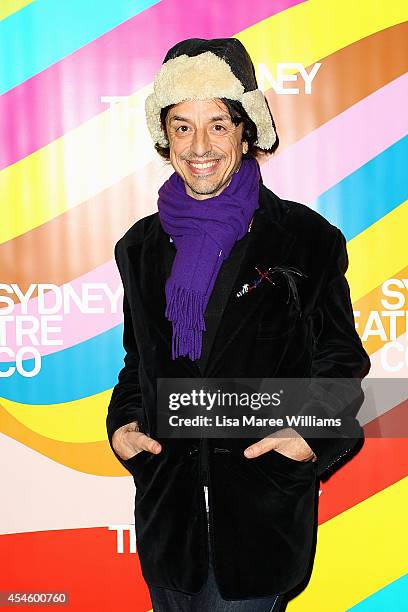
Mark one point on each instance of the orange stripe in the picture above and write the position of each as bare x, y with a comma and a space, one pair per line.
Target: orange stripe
370, 302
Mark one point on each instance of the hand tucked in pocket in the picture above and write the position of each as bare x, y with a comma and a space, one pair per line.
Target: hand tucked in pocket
293, 446
128, 441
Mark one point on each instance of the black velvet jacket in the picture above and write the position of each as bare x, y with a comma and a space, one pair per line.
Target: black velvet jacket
262, 510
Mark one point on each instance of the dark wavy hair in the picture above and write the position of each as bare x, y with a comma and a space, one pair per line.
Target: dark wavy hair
238, 115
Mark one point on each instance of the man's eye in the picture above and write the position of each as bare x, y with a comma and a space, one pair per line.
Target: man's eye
218, 127
182, 128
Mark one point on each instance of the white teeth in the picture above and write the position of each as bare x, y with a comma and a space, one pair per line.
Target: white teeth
207, 165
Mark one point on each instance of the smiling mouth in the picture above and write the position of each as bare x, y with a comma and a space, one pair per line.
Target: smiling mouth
203, 168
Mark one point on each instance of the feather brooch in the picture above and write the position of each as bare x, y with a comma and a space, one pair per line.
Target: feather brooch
288, 274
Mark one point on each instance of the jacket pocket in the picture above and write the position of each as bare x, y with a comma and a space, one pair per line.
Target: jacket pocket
141, 465
278, 319
135, 457
276, 461
274, 329
276, 467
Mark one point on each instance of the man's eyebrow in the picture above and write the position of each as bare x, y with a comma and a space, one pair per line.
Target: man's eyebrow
212, 119
178, 118
220, 118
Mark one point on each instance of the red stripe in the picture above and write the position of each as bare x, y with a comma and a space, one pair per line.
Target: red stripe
381, 462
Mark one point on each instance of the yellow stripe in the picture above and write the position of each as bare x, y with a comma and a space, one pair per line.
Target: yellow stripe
77, 421
8, 7
102, 151
378, 253
313, 30
358, 552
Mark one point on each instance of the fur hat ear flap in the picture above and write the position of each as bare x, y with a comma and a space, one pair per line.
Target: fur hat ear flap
152, 110
256, 106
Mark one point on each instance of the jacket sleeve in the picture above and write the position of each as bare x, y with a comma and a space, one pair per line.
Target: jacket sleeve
126, 401
339, 358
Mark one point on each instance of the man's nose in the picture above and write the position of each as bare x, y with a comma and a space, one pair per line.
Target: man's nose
201, 142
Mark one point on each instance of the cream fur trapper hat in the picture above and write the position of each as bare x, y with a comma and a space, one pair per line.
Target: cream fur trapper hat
200, 69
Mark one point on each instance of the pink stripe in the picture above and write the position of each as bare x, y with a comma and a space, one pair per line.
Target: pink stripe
76, 326
329, 154
340, 146
118, 63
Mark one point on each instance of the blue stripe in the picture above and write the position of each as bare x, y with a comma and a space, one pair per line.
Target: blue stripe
92, 366
45, 31
392, 598
73, 373
369, 193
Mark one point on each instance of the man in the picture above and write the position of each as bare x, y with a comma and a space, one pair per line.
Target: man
228, 280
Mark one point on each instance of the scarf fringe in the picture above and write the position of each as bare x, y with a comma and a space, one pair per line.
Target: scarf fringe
186, 342
185, 308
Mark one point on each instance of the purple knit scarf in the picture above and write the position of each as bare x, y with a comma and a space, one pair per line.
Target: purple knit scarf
204, 232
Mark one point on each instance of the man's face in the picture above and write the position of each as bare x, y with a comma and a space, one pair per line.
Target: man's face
205, 146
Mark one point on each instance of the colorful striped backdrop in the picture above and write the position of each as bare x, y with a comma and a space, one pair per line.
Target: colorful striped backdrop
77, 168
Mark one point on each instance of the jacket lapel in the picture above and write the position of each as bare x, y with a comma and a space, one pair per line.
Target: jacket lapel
269, 242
